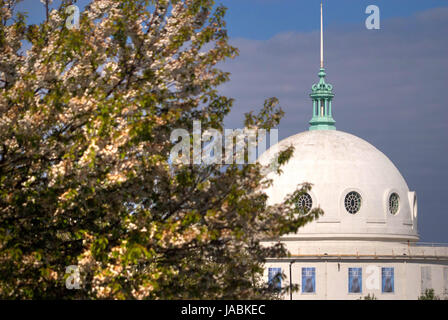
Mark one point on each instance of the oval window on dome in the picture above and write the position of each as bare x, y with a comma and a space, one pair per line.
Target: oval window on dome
304, 203
394, 203
352, 202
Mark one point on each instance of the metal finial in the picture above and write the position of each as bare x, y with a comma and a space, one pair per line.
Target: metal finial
321, 36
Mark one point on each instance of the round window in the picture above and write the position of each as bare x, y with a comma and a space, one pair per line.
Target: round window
352, 202
394, 203
304, 203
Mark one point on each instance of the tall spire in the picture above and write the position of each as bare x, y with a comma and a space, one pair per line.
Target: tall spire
321, 36
322, 92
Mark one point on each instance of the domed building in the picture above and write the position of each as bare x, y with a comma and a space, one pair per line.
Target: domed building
366, 243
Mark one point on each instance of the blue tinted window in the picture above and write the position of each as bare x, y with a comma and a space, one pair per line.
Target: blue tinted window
308, 280
387, 280
274, 277
355, 280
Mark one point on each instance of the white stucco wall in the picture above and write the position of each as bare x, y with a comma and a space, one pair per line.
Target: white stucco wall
331, 270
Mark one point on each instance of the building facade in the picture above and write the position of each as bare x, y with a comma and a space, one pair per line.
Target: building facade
353, 269
366, 243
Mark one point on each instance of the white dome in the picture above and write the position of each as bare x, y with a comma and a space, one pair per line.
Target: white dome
337, 163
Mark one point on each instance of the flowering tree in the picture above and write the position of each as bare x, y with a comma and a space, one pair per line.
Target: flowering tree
85, 177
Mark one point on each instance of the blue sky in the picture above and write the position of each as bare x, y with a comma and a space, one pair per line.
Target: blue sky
390, 84
262, 19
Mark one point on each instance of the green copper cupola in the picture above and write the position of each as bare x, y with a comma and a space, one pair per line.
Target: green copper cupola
322, 93
322, 96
